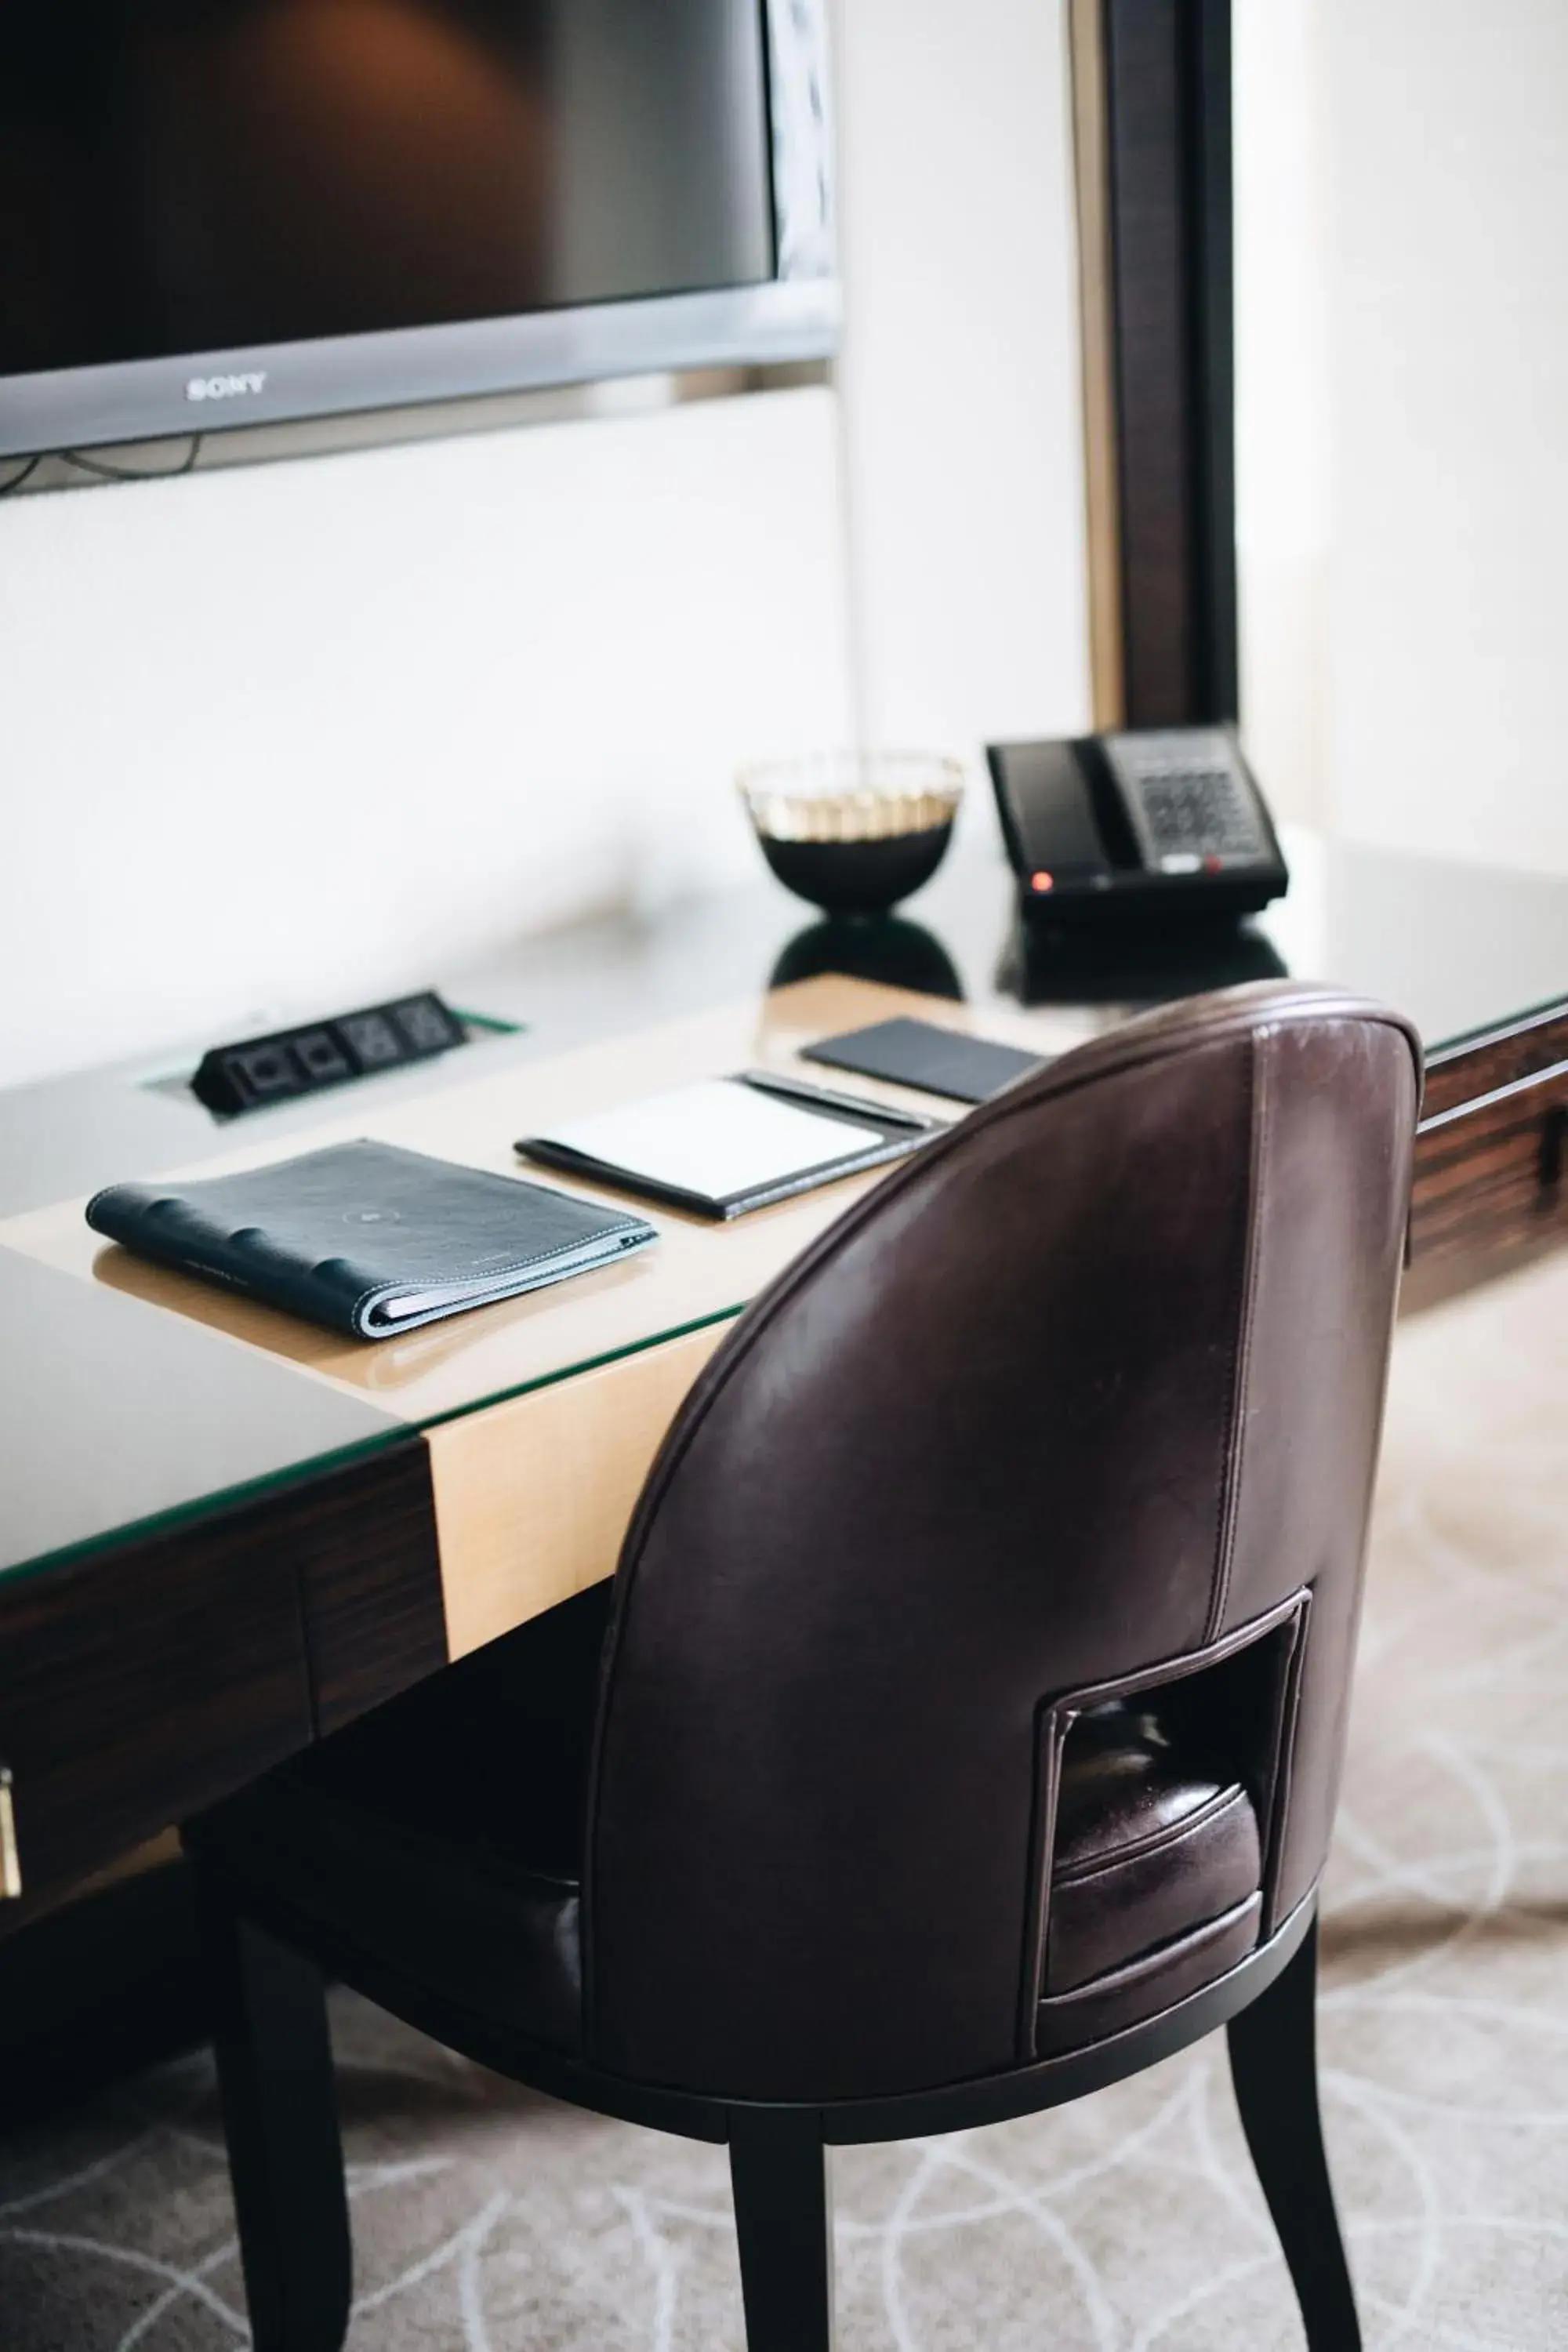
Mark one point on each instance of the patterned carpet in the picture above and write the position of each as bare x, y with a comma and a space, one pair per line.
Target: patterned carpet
487, 2220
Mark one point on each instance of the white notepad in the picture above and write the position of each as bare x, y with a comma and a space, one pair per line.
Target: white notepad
717, 1139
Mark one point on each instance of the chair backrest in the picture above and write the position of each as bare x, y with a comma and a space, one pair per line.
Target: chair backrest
1083, 1388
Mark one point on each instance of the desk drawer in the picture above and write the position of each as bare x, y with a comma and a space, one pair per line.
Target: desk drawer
141, 1683
1459, 1075
138, 1685
1490, 1173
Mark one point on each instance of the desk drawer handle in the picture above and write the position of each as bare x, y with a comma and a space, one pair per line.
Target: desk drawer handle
10, 1861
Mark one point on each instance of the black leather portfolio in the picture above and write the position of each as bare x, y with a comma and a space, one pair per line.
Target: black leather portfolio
367, 1238
919, 1054
726, 1145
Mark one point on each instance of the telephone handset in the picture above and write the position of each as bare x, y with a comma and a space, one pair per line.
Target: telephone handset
1166, 819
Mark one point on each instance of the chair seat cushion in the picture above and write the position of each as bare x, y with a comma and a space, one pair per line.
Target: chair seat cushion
442, 1836
1149, 1845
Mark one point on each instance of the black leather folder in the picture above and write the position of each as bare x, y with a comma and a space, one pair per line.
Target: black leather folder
367, 1238
919, 1054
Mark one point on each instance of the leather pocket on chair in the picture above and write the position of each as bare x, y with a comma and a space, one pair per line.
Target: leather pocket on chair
1108, 1910
1157, 1981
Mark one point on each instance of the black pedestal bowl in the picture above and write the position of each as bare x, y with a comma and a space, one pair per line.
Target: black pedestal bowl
854, 832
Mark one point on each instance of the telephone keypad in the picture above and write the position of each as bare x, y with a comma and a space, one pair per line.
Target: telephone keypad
1200, 810
1188, 801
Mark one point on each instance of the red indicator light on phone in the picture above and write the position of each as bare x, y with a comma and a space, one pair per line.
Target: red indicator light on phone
1042, 881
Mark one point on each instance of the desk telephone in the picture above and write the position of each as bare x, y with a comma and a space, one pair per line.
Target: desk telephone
1163, 820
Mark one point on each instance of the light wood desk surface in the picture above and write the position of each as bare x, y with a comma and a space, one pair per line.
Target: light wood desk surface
699, 1272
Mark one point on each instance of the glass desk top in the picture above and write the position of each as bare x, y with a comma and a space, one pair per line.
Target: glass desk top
165, 1415
1459, 947
119, 1421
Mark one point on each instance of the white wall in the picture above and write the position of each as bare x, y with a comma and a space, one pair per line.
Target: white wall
275, 736
1282, 381
1432, 192
961, 370
305, 731
1449, 214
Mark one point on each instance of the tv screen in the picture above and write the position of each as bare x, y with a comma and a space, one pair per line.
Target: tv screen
186, 180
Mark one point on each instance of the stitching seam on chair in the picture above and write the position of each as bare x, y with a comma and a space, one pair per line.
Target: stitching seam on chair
1236, 1446
1171, 1835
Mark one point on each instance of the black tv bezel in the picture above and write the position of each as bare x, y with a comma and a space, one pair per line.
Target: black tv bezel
794, 316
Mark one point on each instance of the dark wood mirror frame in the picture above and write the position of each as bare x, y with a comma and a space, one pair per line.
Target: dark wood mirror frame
1151, 122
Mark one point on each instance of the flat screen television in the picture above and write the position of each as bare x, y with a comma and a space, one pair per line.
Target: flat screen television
216, 212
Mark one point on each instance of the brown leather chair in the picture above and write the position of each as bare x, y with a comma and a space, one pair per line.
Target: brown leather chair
961, 1732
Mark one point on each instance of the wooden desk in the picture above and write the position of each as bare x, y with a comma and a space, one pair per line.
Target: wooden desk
229, 1534
541, 1414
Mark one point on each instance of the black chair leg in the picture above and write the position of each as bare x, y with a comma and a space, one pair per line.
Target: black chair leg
784, 2219
1274, 2067
279, 2110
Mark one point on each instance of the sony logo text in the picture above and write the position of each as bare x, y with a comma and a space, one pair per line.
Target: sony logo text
226, 387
